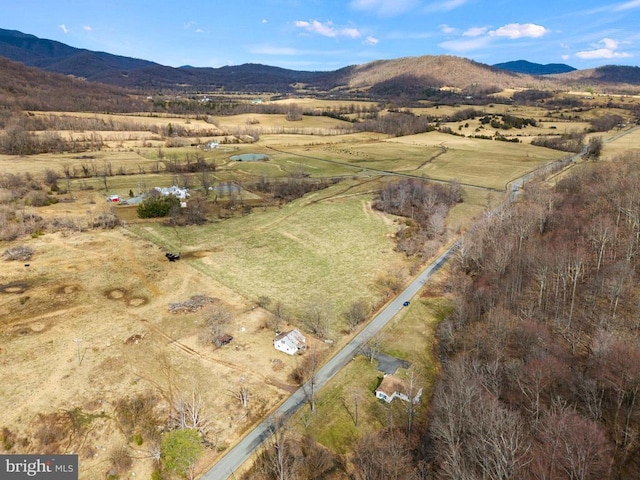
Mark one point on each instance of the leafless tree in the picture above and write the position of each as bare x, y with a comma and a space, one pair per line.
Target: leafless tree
372, 347
217, 318
317, 317
357, 313
382, 455
242, 394
279, 315
188, 412
279, 458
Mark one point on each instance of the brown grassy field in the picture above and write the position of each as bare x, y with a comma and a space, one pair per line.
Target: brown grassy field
110, 291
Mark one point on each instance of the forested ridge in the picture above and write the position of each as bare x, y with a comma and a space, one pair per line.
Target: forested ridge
540, 355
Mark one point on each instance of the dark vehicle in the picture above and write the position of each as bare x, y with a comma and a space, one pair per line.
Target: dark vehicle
406, 304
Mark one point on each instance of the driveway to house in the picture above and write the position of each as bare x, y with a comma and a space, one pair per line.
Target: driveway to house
241, 452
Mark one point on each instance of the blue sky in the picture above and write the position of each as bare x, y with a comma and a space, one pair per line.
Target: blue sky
330, 34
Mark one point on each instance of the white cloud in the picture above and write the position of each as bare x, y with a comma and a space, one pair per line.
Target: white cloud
605, 48
444, 28
445, 6
384, 7
465, 45
520, 30
327, 29
371, 40
475, 32
628, 5
264, 20
63, 28
87, 28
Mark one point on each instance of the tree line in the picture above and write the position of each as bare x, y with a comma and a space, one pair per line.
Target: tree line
540, 354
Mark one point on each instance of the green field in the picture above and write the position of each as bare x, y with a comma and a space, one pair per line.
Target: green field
409, 337
324, 246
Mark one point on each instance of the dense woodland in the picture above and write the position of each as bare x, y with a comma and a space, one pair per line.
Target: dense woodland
540, 355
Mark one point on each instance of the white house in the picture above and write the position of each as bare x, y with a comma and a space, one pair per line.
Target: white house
393, 387
290, 342
181, 193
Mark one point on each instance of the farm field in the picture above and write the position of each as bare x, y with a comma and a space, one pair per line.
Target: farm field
330, 245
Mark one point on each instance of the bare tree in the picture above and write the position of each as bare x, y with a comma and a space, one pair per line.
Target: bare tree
279, 315
242, 394
188, 412
217, 319
279, 457
382, 455
414, 391
317, 317
372, 348
357, 313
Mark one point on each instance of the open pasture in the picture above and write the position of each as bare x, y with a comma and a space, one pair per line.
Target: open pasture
483, 163
278, 123
329, 245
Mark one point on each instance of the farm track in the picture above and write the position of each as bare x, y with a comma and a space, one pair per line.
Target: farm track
391, 173
442, 151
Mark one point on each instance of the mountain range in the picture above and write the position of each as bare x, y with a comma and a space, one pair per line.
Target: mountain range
403, 76
523, 66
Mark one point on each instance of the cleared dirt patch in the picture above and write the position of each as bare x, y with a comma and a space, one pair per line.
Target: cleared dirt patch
15, 287
115, 294
22, 329
67, 289
197, 254
137, 301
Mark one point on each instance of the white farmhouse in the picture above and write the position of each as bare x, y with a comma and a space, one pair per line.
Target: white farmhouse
174, 190
290, 342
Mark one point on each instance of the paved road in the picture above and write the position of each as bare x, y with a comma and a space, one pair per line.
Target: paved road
242, 451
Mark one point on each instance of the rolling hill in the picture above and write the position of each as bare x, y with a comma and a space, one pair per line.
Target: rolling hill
29, 88
410, 77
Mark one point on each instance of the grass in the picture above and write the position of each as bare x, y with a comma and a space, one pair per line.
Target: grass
410, 337
333, 423
318, 247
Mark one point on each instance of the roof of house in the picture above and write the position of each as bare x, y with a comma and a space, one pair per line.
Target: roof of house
392, 384
294, 338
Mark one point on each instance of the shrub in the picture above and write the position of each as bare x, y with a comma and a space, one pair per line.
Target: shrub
180, 450
158, 206
18, 253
